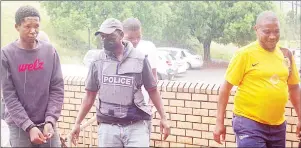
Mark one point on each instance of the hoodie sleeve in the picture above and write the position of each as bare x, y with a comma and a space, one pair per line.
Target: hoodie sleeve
56, 94
12, 103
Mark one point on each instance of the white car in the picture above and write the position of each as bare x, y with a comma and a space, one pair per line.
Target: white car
166, 68
88, 58
192, 60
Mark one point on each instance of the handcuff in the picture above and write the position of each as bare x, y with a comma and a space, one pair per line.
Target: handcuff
38, 125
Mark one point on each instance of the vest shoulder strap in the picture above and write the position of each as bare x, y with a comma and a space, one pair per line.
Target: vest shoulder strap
287, 54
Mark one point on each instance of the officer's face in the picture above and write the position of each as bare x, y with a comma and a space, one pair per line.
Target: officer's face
112, 41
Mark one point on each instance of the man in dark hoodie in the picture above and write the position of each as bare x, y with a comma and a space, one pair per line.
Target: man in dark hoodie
32, 85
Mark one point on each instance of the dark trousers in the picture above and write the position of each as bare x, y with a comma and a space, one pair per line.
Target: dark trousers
250, 133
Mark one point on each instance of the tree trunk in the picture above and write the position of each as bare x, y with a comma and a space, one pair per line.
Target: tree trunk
207, 57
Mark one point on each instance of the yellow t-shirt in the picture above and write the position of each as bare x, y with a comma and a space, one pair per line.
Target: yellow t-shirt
262, 80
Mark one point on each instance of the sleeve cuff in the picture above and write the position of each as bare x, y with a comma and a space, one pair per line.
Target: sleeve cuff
51, 120
26, 124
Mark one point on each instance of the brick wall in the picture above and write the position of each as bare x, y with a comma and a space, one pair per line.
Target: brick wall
191, 110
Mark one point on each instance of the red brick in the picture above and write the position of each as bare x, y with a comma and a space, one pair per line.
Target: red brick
231, 99
192, 118
186, 140
181, 87
210, 88
288, 111
204, 88
291, 136
69, 107
197, 88
212, 143
228, 122
65, 113
230, 138
207, 135
229, 107
211, 127
215, 89
294, 113
203, 142
161, 144
201, 127
231, 144
295, 144
189, 145
177, 117
80, 95
201, 112
192, 87
175, 86
168, 95
199, 97
171, 138
69, 94
183, 110
176, 103
209, 120
291, 120
69, 119
208, 105
194, 133
213, 98
192, 104
229, 114
186, 125
177, 131
170, 109
169, 86
165, 102
186, 86
289, 104
212, 113
155, 136
66, 100
176, 144
183, 96
229, 130
288, 128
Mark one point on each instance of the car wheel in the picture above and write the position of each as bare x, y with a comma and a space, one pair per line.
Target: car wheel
188, 65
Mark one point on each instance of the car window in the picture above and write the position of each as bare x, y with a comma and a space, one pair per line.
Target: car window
187, 53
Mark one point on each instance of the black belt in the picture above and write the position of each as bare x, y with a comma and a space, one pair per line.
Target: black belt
123, 123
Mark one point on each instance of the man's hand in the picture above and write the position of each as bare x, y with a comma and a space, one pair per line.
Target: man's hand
75, 133
48, 130
164, 126
298, 133
219, 131
36, 136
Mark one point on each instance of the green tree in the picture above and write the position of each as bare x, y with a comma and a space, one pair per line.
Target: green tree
71, 16
220, 21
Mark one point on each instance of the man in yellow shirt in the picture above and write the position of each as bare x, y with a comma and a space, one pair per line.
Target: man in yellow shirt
266, 78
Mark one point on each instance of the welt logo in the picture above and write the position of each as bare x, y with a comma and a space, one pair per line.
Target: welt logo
36, 65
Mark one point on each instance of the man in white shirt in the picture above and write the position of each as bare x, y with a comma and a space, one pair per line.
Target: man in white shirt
132, 32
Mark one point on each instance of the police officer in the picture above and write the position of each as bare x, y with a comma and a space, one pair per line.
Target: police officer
116, 76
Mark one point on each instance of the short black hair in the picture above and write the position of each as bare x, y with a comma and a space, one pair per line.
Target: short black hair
131, 24
26, 11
